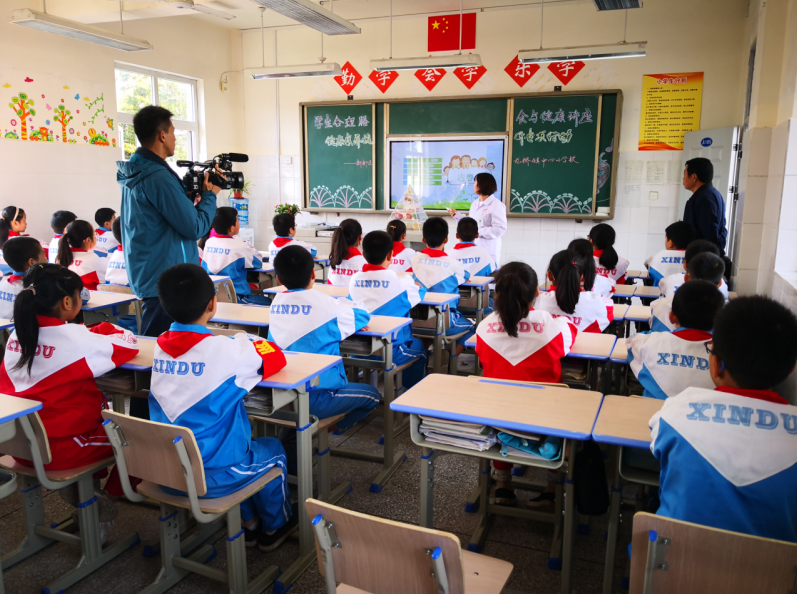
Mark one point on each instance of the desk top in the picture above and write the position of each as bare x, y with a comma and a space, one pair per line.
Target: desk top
647, 292
331, 290
101, 300
439, 299
380, 326
523, 407
478, 281
623, 421
12, 407
218, 278
637, 274
237, 313
146, 353
620, 352
638, 313
6, 324
591, 345
264, 269
620, 310
319, 259
624, 290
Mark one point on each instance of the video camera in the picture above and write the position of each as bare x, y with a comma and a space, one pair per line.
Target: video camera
193, 178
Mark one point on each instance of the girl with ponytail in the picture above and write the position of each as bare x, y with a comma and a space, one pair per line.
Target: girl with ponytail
587, 310
592, 281
13, 222
402, 255
344, 258
607, 262
76, 252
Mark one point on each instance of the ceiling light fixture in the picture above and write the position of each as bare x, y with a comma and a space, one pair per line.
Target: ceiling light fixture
312, 15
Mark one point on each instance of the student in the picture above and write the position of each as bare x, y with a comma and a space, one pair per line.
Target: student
21, 253
285, 228
117, 271
671, 259
76, 252
308, 321
224, 254
591, 280
438, 272
402, 255
106, 242
707, 267
386, 293
58, 222
729, 455
13, 222
199, 381
588, 311
344, 257
666, 363
474, 258
607, 262
670, 283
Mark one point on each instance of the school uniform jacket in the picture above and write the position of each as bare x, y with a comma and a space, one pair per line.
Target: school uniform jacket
10, 287
664, 263
474, 258
106, 242
534, 356
231, 257
402, 257
280, 242
670, 284
617, 274
666, 363
199, 381
603, 286
68, 358
728, 460
308, 321
660, 315
439, 273
4, 268
89, 267
52, 250
341, 275
593, 313
117, 271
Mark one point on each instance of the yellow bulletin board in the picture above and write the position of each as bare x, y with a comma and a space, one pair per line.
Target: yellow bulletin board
670, 108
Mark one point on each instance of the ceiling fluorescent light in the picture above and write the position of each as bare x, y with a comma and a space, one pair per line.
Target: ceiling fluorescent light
312, 15
299, 71
455, 61
632, 49
617, 4
53, 24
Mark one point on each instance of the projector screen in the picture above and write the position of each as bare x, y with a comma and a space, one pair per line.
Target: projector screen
441, 170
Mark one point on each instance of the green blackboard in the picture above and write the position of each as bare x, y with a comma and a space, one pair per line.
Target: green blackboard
554, 141
339, 156
606, 150
448, 117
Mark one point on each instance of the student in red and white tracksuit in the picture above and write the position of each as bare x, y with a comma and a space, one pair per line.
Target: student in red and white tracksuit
607, 262
345, 260
22, 253
76, 252
402, 255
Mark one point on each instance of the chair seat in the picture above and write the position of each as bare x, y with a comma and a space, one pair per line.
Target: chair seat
483, 574
405, 365
322, 423
10, 463
208, 505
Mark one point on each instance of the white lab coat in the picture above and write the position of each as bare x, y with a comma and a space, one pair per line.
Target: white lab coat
491, 216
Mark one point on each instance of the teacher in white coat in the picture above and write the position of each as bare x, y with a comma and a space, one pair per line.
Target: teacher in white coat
489, 212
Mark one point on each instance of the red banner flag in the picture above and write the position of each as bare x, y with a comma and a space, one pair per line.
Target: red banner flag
349, 79
430, 77
383, 79
444, 32
566, 71
521, 73
470, 75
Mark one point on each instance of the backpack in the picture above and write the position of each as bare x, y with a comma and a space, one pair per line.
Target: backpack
589, 476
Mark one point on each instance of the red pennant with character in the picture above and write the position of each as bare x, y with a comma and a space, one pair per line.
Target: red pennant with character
519, 72
349, 79
383, 79
429, 77
566, 71
470, 75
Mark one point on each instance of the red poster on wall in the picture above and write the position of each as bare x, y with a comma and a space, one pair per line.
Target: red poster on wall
383, 79
470, 75
349, 79
429, 77
566, 71
519, 72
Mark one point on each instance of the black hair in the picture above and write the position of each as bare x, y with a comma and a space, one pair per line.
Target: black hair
699, 246
696, 304
706, 266
184, 291
603, 236
116, 229
18, 250
283, 223
584, 249
74, 235
396, 229
467, 229
486, 183
377, 245
224, 219
566, 267
515, 289
701, 167
435, 231
10, 213
44, 286
149, 121
754, 337
60, 219
681, 234
294, 266
203, 240
344, 237
103, 215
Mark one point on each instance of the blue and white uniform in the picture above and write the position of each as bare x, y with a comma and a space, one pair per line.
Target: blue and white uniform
199, 381
660, 315
670, 284
474, 258
280, 242
10, 287
402, 258
665, 263
4, 268
308, 321
117, 271
231, 257
52, 249
385, 293
728, 460
106, 242
440, 273
666, 363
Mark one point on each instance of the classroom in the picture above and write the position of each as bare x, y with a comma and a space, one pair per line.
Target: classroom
398, 296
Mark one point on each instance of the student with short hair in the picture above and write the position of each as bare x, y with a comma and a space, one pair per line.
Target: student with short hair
344, 258
199, 381
607, 262
20, 253
384, 292
76, 252
58, 222
116, 273
666, 363
402, 255
285, 227
729, 455
671, 259
106, 242
13, 222
474, 258
309, 321
670, 283
591, 280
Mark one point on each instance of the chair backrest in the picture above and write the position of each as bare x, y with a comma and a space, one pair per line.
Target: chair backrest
387, 557
702, 559
226, 292
19, 446
150, 453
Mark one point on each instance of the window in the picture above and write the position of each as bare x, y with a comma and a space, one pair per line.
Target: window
137, 87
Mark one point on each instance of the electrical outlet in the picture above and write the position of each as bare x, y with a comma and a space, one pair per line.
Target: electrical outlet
653, 196
285, 160
223, 85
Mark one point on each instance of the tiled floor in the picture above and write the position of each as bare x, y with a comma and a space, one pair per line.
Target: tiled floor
521, 542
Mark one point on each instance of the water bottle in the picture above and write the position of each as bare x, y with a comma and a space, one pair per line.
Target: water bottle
241, 205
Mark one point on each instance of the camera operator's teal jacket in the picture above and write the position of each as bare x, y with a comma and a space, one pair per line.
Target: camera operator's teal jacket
160, 224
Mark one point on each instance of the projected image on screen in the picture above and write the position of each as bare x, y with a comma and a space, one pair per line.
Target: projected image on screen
441, 172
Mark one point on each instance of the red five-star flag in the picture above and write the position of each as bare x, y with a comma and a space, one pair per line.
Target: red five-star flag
444, 32
566, 71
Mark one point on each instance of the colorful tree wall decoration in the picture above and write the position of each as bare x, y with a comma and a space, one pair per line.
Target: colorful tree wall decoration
23, 107
63, 116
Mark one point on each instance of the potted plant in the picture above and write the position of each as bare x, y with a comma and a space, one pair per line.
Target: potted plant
287, 208
247, 189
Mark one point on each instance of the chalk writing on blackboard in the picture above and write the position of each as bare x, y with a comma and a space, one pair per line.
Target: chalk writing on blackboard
326, 121
340, 140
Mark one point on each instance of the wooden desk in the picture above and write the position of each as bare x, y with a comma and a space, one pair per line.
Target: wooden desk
638, 313
146, 353
242, 315
620, 353
11, 408
218, 278
6, 324
440, 304
108, 306
331, 290
476, 287
624, 291
620, 310
647, 292
637, 274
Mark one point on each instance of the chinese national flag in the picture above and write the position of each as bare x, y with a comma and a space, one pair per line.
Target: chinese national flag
444, 32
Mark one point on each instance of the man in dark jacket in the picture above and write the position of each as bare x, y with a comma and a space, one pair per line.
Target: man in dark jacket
705, 210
